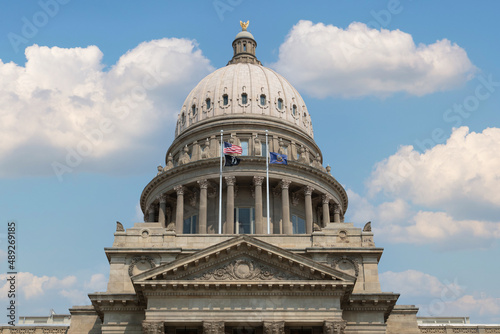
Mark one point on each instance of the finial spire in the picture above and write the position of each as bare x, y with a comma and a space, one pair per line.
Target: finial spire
244, 25
244, 46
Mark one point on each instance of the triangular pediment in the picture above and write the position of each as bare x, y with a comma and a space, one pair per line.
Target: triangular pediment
243, 259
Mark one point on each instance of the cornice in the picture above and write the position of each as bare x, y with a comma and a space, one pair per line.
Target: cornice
277, 171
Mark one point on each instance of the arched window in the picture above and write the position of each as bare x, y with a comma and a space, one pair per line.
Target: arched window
244, 47
225, 99
294, 110
193, 109
183, 118
262, 100
208, 102
280, 104
244, 98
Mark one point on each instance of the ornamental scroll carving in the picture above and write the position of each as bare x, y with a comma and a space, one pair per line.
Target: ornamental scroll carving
144, 260
276, 327
346, 264
244, 269
334, 327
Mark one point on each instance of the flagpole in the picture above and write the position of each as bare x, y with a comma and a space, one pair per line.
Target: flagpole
220, 184
267, 183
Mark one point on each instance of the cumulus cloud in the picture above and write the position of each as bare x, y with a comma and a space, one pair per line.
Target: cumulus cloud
32, 286
441, 297
64, 110
463, 171
398, 222
413, 283
324, 60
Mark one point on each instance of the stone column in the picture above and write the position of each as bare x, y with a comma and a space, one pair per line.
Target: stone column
336, 213
285, 204
274, 327
213, 327
230, 181
309, 209
203, 206
156, 327
179, 212
151, 214
259, 226
326, 210
334, 327
162, 199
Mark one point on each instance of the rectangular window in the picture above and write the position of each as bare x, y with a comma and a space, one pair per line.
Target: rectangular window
263, 148
190, 225
244, 221
244, 147
299, 225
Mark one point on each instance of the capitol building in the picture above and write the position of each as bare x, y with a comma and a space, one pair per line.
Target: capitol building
256, 248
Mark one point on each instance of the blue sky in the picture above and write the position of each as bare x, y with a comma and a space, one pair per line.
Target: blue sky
404, 101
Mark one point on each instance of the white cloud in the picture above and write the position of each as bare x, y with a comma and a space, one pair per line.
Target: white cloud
398, 222
464, 170
324, 60
63, 101
440, 297
414, 283
362, 210
32, 286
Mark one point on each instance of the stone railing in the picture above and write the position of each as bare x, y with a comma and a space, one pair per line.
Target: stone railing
455, 329
34, 329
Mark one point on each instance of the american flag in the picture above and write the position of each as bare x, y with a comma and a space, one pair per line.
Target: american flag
232, 149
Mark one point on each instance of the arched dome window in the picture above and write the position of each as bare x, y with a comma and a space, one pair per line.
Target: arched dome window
208, 102
225, 99
294, 110
280, 104
193, 109
244, 98
244, 47
183, 118
262, 100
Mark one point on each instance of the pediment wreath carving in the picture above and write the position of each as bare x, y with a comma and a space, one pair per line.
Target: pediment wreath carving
244, 269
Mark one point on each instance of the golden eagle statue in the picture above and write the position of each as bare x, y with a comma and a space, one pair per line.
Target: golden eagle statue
244, 25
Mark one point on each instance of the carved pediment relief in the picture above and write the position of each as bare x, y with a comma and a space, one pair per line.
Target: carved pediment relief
243, 258
244, 268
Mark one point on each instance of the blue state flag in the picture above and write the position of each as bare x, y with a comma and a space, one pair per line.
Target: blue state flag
277, 158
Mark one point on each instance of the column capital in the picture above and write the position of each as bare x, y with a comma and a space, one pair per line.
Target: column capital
162, 198
153, 327
285, 183
336, 208
257, 180
179, 189
274, 327
334, 327
326, 199
213, 327
308, 190
203, 183
230, 180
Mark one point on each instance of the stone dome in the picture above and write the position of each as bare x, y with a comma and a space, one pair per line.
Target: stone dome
247, 90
